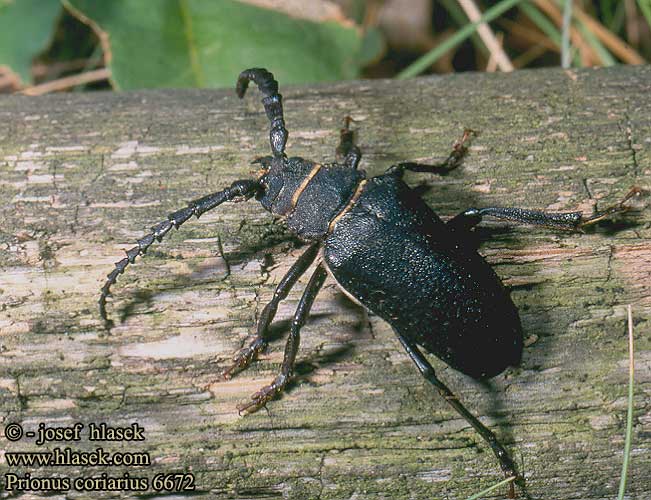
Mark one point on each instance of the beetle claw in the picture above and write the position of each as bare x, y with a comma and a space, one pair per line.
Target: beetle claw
244, 357
264, 395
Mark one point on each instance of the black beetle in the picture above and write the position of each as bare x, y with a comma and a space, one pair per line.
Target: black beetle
386, 249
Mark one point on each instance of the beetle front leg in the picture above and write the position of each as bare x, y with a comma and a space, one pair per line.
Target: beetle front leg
453, 160
261, 397
347, 151
467, 219
427, 371
259, 342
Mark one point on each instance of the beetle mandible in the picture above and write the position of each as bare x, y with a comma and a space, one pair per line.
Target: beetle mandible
384, 247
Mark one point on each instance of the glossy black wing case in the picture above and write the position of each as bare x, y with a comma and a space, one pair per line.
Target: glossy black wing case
391, 252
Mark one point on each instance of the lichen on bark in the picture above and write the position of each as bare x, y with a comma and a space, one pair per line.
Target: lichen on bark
83, 175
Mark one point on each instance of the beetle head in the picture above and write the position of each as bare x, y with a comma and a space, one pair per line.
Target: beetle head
270, 179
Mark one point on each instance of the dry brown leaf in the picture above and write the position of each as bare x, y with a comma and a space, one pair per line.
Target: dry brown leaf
407, 24
314, 10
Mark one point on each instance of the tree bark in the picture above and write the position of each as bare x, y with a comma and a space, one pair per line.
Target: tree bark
85, 175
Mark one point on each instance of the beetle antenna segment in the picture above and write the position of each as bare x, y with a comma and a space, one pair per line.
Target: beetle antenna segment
242, 188
273, 105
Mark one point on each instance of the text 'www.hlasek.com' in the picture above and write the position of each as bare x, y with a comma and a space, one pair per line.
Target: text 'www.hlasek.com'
65, 456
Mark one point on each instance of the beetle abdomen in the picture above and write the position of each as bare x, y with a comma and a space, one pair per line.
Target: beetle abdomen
393, 254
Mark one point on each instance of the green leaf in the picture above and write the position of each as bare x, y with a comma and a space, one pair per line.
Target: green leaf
199, 43
373, 46
645, 7
26, 29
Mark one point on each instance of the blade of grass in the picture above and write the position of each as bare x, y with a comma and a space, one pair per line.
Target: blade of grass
633, 30
587, 55
542, 21
457, 14
476, 496
547, 27
619, 18
606, 57
629, 415
533, 53
428, 59
68, 82
525, 31
565, 35
645, 7
615, 44
491, 64
487, 36
607, 11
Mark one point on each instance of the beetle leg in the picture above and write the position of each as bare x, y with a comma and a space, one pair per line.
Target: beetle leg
561, 220
347, 152
242, 188
427, 371
261, 397
273, 104
453, 160
259, 342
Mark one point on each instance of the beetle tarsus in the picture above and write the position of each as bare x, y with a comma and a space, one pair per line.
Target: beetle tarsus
619, 207
244, 357
264, 395
454, 159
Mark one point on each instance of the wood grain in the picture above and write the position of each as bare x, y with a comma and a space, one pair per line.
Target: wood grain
82, 176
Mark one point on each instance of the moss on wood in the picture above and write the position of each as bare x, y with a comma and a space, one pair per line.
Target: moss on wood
82, 175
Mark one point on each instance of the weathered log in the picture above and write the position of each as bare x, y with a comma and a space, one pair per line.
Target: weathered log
84, 175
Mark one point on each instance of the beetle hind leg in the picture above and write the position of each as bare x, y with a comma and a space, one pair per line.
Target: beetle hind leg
268, 392
347, 152
244, 357
572, 221
427, 371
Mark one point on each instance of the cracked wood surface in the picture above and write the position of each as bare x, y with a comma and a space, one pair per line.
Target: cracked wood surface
83, 175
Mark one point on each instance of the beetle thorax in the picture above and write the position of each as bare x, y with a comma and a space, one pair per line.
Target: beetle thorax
308, 194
